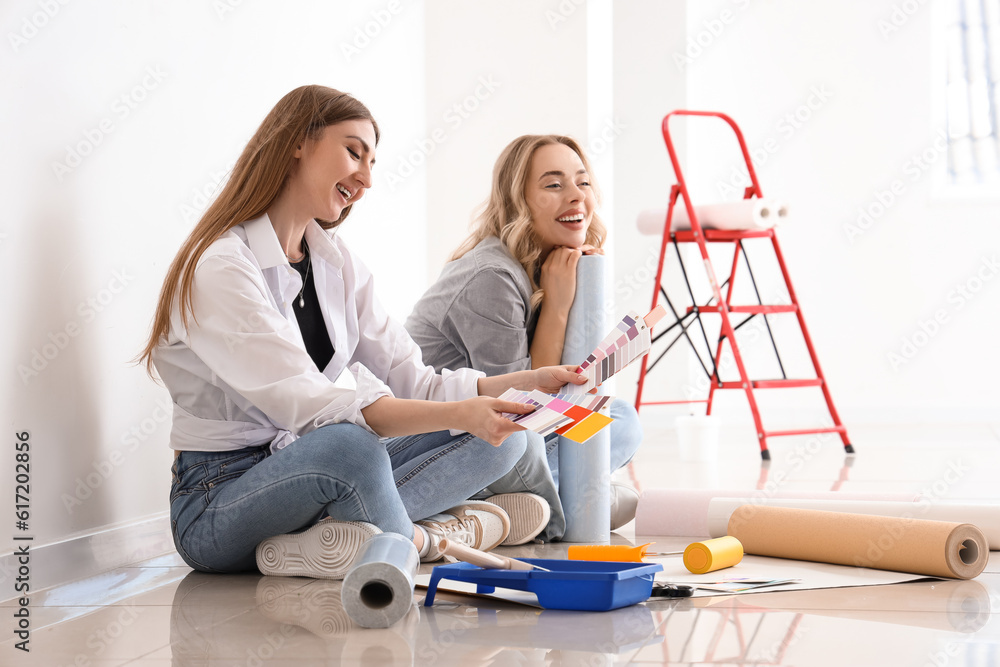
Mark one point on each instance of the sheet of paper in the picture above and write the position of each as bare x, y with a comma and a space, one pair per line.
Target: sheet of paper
760, 568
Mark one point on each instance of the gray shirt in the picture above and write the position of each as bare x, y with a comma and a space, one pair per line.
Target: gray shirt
478, 314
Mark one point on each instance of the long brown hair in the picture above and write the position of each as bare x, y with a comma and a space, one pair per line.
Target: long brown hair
506, 215
256, 181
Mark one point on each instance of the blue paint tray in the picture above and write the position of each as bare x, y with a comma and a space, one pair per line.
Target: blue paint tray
571, 584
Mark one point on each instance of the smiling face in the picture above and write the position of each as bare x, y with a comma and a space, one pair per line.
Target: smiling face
559, 196
334, 169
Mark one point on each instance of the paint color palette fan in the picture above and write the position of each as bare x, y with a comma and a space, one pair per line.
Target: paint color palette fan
628, 341
572, 416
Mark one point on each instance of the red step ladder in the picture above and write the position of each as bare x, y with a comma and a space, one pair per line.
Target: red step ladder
724, 306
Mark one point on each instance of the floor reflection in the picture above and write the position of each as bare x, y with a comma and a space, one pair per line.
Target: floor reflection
214, 616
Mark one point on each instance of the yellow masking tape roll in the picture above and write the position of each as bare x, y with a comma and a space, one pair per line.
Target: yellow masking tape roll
711, 555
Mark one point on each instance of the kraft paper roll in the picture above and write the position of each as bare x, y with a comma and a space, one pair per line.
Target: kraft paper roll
712, 555
929, 548
378, 589
684, 512
585, 469
743, 214
985, 517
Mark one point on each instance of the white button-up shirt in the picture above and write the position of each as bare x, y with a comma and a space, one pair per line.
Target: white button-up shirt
239, 373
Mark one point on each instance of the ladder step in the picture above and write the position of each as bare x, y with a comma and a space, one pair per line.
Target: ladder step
779, 384
774, 384
721, 235
806, 431
754, 310
699, 400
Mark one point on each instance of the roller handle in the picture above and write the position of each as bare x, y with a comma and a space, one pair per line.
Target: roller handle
481, 558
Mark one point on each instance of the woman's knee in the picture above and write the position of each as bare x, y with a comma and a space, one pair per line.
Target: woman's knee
340, 446
510, 451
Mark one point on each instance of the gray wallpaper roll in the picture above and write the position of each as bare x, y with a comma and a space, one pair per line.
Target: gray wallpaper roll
378, 589
584, 469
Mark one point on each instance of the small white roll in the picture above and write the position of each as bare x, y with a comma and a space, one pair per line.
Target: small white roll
378, 589
743, 214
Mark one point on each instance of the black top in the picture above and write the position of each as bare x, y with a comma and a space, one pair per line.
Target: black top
310, 317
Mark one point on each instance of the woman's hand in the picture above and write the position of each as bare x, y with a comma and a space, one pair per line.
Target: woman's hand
558, 278
550, 379
482, 417
591, 250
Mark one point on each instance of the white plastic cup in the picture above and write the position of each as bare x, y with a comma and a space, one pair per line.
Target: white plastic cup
698, 437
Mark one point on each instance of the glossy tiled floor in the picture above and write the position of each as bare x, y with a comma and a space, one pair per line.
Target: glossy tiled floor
161, 613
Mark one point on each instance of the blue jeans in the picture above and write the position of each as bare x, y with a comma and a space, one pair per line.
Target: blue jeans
223, 504
538, 470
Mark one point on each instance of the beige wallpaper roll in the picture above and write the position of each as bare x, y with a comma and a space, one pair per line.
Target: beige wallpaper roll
932, 548
984, 516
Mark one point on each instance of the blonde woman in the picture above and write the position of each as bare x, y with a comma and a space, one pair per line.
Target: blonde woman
502, 303
262, 309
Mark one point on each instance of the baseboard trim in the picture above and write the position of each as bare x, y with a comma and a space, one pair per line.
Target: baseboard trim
89, 554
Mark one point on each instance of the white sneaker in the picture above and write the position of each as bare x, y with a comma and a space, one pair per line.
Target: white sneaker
474, 523
624, 500
529, 514
323, 551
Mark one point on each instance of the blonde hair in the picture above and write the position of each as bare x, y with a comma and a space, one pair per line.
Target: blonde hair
506, 216
257, 179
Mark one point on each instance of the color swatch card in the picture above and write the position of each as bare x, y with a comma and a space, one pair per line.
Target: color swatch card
543, 420
572, 416
628, 341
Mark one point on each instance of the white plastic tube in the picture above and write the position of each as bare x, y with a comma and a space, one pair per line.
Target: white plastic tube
743, 214
584, 469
